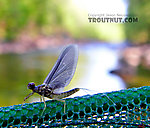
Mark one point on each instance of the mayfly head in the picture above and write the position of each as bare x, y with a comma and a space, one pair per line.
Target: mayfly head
31, 85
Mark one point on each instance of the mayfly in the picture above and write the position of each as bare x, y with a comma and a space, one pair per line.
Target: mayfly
59, 77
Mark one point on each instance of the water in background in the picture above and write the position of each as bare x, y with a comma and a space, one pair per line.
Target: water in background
95, 62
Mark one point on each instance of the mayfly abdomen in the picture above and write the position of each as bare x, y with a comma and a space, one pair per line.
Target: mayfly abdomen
65, 94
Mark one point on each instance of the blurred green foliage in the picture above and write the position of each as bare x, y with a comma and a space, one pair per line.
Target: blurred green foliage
139, 32
17, 15
49, 17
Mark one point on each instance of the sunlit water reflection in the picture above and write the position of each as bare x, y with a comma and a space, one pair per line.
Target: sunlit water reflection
101, 59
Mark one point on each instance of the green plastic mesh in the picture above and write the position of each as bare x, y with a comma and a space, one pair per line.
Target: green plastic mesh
131, 108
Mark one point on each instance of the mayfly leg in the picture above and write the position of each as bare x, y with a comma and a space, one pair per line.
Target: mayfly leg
40, 98
63, 102
44, 105
27, 97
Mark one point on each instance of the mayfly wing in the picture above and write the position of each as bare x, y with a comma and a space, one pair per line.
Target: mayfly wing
63, 70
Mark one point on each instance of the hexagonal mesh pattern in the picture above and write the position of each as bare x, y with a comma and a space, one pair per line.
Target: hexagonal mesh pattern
131, 108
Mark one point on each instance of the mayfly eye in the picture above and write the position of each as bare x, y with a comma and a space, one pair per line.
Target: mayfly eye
31, 85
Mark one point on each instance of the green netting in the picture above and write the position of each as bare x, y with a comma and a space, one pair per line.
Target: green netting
131, 109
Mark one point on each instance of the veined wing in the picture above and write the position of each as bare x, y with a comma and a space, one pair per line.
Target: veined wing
63, 70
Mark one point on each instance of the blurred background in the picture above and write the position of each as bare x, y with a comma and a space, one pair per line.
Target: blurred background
112, 56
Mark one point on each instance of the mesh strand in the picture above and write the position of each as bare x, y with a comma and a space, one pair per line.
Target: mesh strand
130, 108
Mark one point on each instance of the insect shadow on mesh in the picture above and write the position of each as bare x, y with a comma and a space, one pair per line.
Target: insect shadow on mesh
59, 77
